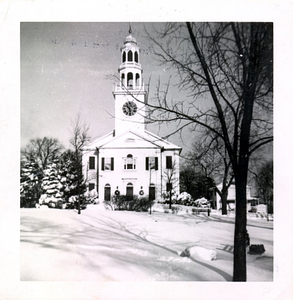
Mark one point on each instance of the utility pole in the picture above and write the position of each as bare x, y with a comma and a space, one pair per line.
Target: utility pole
150, 168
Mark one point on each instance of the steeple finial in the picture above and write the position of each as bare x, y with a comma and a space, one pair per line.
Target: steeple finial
130, 31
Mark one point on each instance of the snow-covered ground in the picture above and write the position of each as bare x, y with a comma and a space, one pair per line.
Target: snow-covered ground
121, 245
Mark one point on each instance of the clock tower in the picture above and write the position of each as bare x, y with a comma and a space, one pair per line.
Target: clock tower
132, 161
129, 93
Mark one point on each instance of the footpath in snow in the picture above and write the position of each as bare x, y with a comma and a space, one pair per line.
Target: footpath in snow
122, 245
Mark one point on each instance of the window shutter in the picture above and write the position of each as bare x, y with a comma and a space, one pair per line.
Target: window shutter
112, 163
146, 163
168, 162
91, 162
103, 163
156, 163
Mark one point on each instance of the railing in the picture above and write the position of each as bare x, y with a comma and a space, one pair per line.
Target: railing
119, 88
130, 63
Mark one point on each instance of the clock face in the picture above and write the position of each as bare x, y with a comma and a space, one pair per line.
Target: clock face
129, 108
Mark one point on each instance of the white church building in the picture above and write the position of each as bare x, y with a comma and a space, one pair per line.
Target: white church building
131, 160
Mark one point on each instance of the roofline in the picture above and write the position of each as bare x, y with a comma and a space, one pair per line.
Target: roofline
146, 132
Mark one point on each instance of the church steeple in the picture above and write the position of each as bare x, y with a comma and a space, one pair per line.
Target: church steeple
129, 93
130, 71
130, 29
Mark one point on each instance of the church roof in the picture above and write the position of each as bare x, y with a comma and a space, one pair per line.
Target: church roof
131, 139
130, 39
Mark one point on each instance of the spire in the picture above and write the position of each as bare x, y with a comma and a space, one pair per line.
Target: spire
130, 31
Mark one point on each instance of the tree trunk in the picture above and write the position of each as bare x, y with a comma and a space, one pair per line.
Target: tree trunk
224, 197
239, 272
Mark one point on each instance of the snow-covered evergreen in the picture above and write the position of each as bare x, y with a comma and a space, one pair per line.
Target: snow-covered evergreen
30, 182
60, 179
51, 183
70, 176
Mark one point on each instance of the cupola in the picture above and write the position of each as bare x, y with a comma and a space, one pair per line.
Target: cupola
130, 71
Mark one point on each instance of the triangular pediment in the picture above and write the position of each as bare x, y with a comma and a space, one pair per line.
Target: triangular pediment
131, 139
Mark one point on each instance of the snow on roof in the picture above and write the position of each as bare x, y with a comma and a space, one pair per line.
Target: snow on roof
144, 139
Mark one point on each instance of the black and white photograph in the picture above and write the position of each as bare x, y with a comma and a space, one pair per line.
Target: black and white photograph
148, 154
125, 203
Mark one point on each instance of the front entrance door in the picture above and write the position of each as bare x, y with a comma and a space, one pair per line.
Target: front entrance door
152, 192
107, 192
129, 191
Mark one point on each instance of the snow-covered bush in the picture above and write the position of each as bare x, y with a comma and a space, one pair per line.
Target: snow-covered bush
184, 199
120, 202
202, 202
175, 209
91, 197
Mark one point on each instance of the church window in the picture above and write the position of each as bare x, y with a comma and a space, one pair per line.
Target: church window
151, 163
130, 80
129, 56
107, 163
168, 162
91, 186
92, 163
137, 80
123, 79
123, 56
136, 56
129, 162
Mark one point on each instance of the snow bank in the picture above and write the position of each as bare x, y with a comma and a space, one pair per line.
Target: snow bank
199, 252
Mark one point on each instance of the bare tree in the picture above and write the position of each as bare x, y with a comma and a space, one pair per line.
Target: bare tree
265, 184
41, 151
209, 155
172, 181
79, 137
79, 133
195, 182
227, 70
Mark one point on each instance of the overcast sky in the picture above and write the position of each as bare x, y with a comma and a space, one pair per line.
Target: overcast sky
64, 71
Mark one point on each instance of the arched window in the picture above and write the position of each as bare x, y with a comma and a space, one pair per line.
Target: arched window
130, 80
129, 56
129, 162
107, 192
136, 56
137, 80
123, 56
123, 79
129, 191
